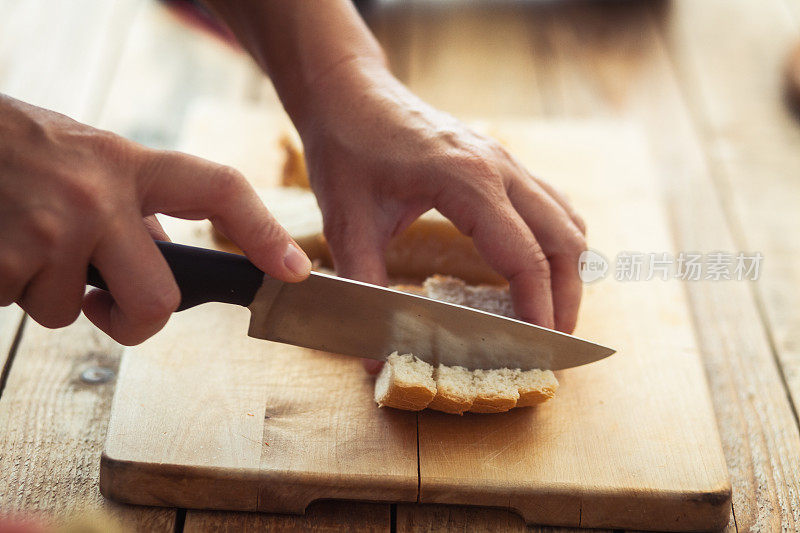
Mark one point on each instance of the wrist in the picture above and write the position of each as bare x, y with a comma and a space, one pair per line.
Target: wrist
333, 91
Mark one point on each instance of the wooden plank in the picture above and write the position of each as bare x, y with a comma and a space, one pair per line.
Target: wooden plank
59, 55
10, 325
473, 60
753, 143
454, 518
319, 517
755, 419
164, 68
53, 412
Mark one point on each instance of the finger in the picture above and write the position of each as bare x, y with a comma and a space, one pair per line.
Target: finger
357, 244
143, 292
562, 242
563, 201
54, 296
372, 366
155, 229
507, 244
560, 198
16, 270
189, 187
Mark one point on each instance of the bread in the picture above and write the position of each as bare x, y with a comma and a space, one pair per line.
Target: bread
405, 382
294, 163
432, 245
495, 390
456, 389
535, 387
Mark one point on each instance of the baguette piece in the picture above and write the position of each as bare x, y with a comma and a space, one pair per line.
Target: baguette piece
535, 387
294, 164
496, 390
457, 389
405, 382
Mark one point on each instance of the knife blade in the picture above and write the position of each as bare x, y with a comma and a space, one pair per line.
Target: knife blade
353, 318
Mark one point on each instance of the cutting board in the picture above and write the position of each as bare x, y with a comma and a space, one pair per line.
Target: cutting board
205, 417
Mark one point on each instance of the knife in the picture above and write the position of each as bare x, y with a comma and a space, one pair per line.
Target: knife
349, 317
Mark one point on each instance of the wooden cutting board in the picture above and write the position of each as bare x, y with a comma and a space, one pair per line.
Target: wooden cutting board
205, 417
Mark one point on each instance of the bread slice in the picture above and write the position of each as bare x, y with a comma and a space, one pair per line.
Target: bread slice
535, 387
405, 382
489, 298
455, 389
294, 164
496, 390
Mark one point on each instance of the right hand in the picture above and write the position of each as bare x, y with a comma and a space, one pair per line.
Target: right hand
71, 195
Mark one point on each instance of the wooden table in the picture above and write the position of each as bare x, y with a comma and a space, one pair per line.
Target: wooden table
702, 78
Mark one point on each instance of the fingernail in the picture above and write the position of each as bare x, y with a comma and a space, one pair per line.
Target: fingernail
296, 261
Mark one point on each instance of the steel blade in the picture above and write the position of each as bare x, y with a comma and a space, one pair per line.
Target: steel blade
348, 317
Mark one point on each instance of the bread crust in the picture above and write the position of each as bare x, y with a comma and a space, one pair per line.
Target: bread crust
392, 390
455, 389
407, 397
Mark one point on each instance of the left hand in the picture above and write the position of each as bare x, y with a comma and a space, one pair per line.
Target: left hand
379, 157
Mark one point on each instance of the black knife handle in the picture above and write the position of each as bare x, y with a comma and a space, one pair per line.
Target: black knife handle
203, 275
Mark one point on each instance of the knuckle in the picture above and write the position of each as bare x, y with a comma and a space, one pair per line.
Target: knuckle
479, 176
270, 232
12, 271
228, 181
52, 318
91, 197
539, 264
106, 146
154, 307
46, 228
575, 242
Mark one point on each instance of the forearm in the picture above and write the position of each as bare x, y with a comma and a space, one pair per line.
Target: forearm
299, 42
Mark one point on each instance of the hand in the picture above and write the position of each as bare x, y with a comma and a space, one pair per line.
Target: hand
71, 195
379, 157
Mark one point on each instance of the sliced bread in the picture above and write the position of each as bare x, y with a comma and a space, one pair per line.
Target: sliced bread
456, 389
405, 382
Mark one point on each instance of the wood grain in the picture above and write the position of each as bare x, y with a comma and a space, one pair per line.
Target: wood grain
164, 68
54, 424
411, 517
60, 56
753, 144
324, 516
756, 423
